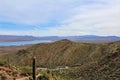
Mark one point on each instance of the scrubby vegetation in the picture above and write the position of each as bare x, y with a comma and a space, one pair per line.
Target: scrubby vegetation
8, 72
60, 53
85, 61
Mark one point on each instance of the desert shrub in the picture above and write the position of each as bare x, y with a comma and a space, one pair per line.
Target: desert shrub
42, 78
26, 70
3, 77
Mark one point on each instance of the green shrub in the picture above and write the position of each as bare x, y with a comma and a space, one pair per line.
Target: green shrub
3, 77
26, 70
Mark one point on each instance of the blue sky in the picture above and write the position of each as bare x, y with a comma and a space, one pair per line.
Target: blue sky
60, 17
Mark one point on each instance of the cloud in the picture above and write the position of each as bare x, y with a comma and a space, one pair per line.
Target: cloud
93, 19
34, 11
62, 17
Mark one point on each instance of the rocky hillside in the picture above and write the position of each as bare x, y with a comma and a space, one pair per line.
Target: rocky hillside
106, 68
86, 61
62, 53
8, 72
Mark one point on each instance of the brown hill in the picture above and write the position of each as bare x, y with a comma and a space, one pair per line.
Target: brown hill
106, 68
87, 61
61, 53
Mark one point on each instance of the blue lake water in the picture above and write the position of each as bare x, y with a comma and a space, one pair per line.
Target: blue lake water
23, 43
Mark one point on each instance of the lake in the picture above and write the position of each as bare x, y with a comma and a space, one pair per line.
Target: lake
20, 43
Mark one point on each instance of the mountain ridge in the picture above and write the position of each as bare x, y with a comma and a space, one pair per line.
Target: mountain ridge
85, 38
61, 53
85, 61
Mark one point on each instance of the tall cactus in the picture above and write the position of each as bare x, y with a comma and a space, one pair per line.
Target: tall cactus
14, 78
33, 69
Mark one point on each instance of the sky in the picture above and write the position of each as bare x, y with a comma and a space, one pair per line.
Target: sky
60, 17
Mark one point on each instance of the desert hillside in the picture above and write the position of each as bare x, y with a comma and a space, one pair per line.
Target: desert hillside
62, 53
86, 61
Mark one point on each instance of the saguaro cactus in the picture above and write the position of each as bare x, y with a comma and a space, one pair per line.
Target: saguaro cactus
14, 78
33, 69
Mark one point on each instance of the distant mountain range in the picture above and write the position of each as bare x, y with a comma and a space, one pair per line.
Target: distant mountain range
82, 38
85, 38
13, 38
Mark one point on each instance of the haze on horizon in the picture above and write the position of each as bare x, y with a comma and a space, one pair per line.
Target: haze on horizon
60, 17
